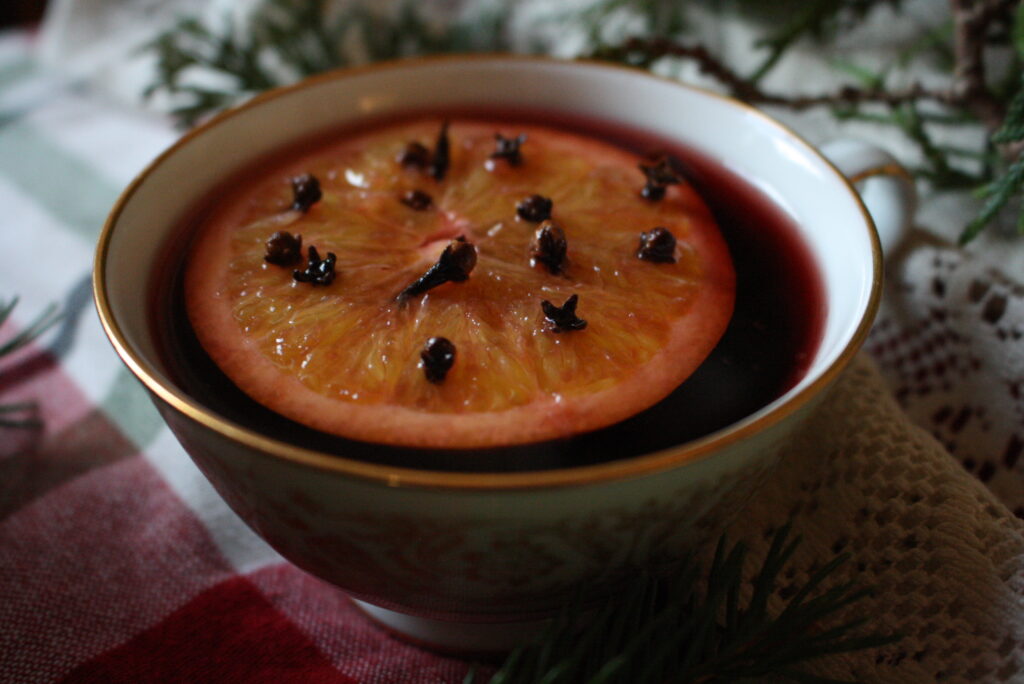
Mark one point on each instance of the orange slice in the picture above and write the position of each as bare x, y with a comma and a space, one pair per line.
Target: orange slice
345, 358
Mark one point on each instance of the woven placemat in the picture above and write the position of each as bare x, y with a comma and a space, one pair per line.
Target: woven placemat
943, 551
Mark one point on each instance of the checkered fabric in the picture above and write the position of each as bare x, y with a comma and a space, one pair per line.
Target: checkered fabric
119, 563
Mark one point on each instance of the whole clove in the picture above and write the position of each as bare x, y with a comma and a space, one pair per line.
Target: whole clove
305, 192
549, 247
657, 245
563, 318
283, 248
508, 148
454, 265
416, 200
318, 271
436, 358
663, 172
535, 208
440, 161
415, 155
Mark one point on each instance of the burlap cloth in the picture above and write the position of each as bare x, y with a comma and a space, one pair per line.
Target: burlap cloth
944, 556
942, 549
913, 465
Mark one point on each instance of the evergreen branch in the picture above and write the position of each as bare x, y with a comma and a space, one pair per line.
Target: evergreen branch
967, 98
37, 327
999, 193
6, 309
809, 18
288, 39
1001, 190
26, 424
24, 407
671, 630
639, 51
939, 171
1013, 128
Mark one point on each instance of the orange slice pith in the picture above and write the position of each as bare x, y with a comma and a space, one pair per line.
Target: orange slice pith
343, 358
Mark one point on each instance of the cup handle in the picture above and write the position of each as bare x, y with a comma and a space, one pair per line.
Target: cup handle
886, 188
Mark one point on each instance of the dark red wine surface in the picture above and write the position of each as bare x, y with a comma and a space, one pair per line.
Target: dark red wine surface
773, 334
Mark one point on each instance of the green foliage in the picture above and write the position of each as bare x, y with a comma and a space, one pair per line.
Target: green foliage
1008, 185
203, 69
996, 170
696, 628
13, 415
939, 161
206, 70
665, 18
1018, 30
818, 19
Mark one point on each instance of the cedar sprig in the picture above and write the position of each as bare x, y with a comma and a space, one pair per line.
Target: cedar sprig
696, 628
18, 415
287, 39
818, 19
1010, 184
973, 95
204, 70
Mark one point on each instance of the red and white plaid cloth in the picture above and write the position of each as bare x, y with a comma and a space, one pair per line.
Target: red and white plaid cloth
118, 561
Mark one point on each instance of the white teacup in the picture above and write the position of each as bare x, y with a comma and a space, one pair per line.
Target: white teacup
464, 560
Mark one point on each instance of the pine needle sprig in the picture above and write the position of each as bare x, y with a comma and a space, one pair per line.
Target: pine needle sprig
190, 46
818, 19
204, 70
998, 194
822, 20
14, 415
694, 627
1008, 140
972, 95
41, 324
1010, 184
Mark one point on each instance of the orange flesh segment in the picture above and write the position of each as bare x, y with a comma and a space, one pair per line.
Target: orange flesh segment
345, 358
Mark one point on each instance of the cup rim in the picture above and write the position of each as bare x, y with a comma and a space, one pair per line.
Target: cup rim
404, 477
